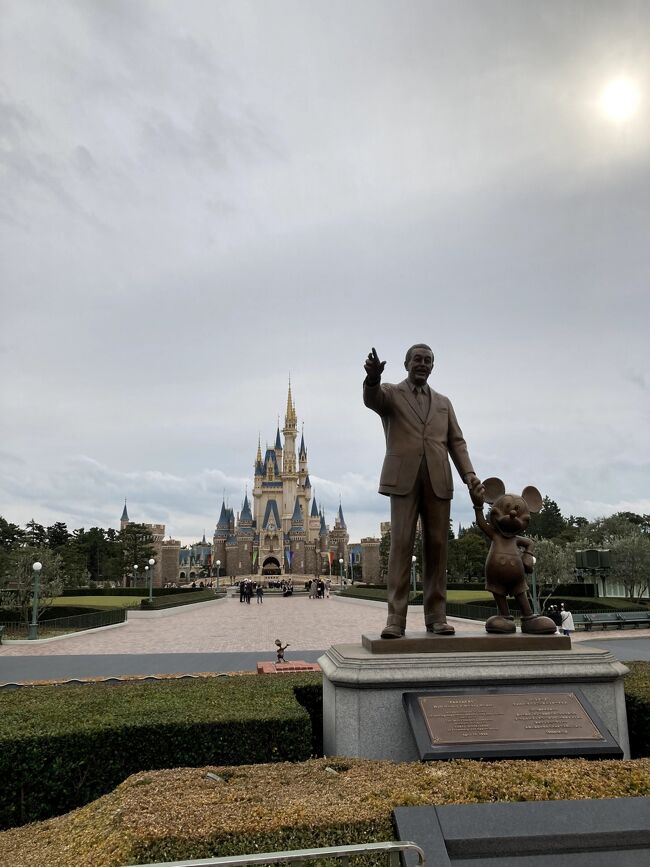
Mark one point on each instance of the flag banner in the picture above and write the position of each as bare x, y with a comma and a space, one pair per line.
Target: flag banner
331, 556
289, 556
255, 553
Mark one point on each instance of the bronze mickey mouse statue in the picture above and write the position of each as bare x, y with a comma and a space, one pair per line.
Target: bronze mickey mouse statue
510, 556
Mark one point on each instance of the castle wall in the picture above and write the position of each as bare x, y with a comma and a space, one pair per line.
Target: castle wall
370, 560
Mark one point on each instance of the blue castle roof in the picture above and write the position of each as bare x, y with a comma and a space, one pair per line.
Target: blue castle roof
246, 511
271, 511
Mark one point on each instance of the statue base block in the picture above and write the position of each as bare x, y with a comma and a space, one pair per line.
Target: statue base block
427, 642
363, 709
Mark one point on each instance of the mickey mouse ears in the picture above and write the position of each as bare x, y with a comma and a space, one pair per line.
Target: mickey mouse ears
533, 498
494, 488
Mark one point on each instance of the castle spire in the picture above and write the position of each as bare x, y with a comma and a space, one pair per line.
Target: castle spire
302, 451
258, 459
125, 514
290, 415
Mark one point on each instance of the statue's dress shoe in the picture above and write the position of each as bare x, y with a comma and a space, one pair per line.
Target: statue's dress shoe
392, 632
443, 628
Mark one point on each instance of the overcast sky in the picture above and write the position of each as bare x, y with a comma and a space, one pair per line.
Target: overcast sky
199, 199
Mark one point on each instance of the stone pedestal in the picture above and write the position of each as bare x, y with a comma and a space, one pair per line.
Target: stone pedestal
363, 715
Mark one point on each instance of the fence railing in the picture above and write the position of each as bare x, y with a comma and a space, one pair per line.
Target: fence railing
473, 612
392, 850
60, 625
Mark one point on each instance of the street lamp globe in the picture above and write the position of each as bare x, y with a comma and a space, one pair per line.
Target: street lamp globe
413, 559
151, 562
37, 566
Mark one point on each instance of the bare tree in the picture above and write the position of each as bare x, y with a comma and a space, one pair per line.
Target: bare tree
631, 563
554, 566
17, 583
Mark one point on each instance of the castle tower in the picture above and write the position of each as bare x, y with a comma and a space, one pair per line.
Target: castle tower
124, 520
289, 471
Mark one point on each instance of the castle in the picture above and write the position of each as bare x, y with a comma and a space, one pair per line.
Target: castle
283, 532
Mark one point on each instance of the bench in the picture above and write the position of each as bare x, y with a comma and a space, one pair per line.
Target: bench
611, 618
2, 629
634, 618
604, 619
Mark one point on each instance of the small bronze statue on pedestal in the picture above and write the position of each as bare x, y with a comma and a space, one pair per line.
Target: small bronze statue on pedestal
510, 556
280, 651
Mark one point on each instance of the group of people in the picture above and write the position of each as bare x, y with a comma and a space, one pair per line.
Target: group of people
249, 588
318, 588
562, 618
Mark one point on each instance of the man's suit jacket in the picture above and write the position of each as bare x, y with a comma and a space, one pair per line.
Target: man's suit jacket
409, 436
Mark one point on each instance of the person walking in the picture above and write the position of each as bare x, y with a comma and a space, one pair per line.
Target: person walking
568, 625
260, 594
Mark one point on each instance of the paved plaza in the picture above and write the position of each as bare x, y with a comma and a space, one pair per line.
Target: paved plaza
226, 635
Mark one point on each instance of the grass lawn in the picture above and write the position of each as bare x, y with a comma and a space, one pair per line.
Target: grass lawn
100, 601
469, 596
379, 593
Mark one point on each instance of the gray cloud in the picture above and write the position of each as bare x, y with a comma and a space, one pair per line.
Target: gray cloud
198, 201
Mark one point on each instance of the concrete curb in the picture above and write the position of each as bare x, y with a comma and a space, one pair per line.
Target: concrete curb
137, 614
37, 641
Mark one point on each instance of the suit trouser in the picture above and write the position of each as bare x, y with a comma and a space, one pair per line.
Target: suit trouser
434, 513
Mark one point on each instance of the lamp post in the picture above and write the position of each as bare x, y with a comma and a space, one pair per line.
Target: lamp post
33, 626
151, 565
218, 567
533, 581
341, 570
135, 574
413, 559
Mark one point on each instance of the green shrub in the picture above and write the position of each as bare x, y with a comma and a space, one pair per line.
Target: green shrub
172, 600
637, 703
63, 746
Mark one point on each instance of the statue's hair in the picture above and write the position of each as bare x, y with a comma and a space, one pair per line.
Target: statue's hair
409, 351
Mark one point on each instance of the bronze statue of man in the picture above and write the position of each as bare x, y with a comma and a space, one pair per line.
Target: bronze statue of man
421, 432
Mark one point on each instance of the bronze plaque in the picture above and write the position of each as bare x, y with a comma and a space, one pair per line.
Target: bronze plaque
506, 718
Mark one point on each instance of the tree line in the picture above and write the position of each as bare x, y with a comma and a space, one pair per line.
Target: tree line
76, 558
626, 535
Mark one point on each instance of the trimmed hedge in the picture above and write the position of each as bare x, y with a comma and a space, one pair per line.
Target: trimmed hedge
637, 703
184, 814
63, 746
125, 591
172, 601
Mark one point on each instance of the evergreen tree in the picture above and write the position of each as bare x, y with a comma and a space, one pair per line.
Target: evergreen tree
35, 534
547, 523
57, 535
137, 548
11, 535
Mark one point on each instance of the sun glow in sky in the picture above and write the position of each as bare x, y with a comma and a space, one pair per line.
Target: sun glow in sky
620, 99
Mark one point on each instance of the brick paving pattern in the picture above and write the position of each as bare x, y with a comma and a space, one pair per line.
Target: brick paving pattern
230, 626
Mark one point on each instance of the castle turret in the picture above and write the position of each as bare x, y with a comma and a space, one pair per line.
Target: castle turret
124, 520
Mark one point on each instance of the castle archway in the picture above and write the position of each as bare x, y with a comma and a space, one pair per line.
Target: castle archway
271, 566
